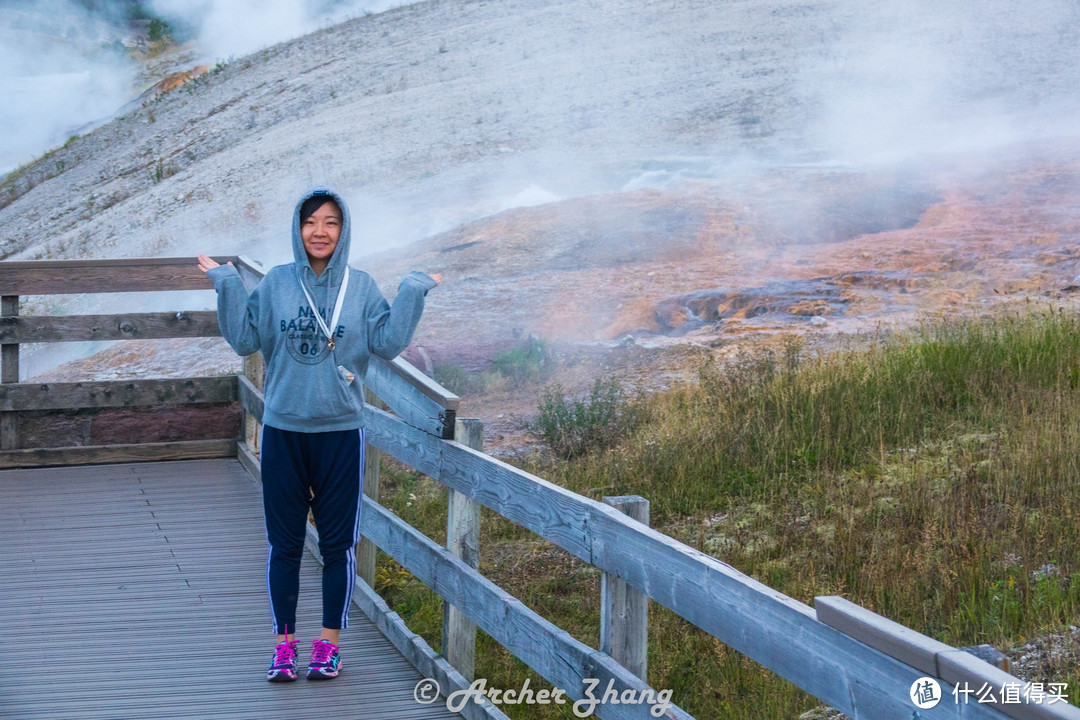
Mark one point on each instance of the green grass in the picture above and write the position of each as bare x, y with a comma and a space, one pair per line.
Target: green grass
527, 363
930, 477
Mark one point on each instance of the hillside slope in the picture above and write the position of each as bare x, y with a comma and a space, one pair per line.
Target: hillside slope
446, 111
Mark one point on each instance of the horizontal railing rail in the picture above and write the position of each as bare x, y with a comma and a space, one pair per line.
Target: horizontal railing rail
127, 326
66, 277
117, 393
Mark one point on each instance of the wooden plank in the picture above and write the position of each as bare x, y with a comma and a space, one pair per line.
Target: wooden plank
959, 668
117, 393
548, 649
463, 541
9, 373
624, 610
250, 271
779, 632
251, 399
376, 678
543, 507
891, 638
61, 277
366, 551
409, 644
419, 653
411, 375
248, 460
102, 454
417, 399
255, 375
139, 326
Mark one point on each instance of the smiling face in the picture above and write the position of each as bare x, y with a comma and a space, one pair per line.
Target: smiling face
320, 233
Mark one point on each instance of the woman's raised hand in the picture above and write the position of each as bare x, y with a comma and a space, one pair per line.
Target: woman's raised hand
207, 263
437, 277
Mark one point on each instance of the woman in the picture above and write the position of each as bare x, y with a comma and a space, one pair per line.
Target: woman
316, 322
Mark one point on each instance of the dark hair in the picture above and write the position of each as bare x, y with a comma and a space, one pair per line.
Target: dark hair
315, 202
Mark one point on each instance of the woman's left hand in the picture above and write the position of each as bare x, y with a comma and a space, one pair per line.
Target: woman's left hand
207, 263
437, 277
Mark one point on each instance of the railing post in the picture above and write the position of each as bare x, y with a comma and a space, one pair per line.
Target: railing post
255, 371
624, 610
9, 373
463, 540
366, 555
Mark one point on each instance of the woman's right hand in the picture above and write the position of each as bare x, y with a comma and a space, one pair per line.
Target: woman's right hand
207, 263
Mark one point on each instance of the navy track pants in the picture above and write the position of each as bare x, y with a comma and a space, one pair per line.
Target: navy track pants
323, 471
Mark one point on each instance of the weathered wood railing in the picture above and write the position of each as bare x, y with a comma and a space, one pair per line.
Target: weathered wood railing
850, 658
101, 400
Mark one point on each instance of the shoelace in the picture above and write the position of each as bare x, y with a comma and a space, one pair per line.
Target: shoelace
321, 652
285, 653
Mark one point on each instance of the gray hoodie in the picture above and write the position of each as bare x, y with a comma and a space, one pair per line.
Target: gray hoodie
305, 391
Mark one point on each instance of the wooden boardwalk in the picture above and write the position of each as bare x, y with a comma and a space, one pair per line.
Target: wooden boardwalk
139, 592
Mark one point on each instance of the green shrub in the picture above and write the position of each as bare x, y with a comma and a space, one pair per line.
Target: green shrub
532, 361
159, 30
573, 427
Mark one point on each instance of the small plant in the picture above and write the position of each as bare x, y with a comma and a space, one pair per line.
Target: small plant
159, 30
574, 427
532, 361
454, 378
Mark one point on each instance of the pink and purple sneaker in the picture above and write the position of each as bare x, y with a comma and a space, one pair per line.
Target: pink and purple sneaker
283, 667
325, 660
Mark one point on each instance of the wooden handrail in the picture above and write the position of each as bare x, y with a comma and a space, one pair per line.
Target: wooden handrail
64, 277
129, 326
545, 647
117, 393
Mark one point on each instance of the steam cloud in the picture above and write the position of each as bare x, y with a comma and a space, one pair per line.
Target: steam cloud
63, 69
59, 70
237, 27
920, 78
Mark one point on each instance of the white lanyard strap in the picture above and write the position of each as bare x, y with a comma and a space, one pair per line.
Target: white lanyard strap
337, 307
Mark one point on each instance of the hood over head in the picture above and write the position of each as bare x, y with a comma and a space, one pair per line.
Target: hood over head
335, 269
